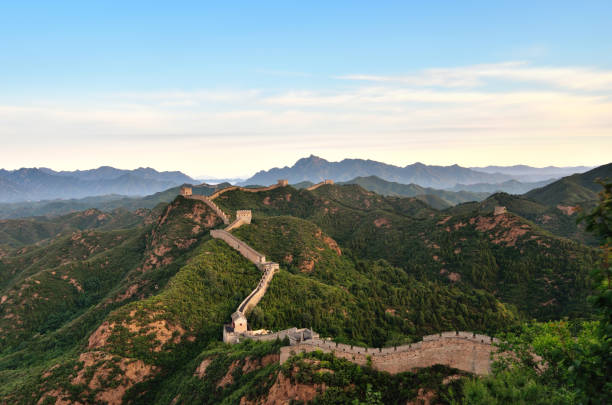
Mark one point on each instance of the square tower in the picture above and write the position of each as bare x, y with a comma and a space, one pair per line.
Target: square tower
239, 322
244, 215
283, 182
499, 210
186, 191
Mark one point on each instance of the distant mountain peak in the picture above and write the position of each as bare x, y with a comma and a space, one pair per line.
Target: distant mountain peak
316, 169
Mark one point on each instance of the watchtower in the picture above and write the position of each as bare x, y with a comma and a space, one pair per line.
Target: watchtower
239, 322
328, 181
186, 191
500, 210
283, 182
244, 215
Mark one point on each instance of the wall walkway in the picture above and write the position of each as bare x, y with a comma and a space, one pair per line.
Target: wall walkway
212, 205
316, 186
238, 222
245, 250
216, 194
461, 350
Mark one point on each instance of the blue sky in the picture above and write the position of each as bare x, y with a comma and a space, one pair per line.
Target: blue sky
178, 86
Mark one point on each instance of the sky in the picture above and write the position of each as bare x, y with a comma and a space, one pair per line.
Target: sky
226, 90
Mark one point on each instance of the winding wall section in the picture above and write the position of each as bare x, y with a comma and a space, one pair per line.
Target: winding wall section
461, 350
465, 351
281, 183
212, 205
316, 186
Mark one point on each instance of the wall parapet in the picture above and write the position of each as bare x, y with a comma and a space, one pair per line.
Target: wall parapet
461, 350
257, 294
281, 183
212, 205
244, 249
316, 186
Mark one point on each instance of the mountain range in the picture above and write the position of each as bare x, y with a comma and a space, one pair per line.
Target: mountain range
33, 184
37, 184
455, 177
316, 169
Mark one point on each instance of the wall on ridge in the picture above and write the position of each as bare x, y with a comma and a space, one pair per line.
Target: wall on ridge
213, 206
244, 249
257, 294
316, 186
236, 224
471, 355
246, 189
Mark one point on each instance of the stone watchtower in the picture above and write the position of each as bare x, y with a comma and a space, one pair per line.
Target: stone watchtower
186, 191
499, 210
328, 181
283, 182
244, 215
239, 322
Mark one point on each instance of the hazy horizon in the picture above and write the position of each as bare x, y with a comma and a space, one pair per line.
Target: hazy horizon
255, 170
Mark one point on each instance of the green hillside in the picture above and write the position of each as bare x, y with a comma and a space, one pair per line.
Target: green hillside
571, 190
438, 199
134, 313
558, 220
507, 255
20, 232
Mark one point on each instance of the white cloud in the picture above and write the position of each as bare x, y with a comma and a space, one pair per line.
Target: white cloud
567, 119
575, 78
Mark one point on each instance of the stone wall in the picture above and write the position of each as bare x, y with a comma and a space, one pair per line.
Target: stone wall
244, 249
294, 335
213, 206
257, 294
316, 186
460, 350
281, 183
243, 217
238, 222
499, 210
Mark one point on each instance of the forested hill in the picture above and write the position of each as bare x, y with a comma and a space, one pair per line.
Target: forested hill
133, 314
574, 189
480, 249
436, 198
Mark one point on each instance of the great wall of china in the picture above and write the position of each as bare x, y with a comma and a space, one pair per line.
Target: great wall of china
316, 186
465, 351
